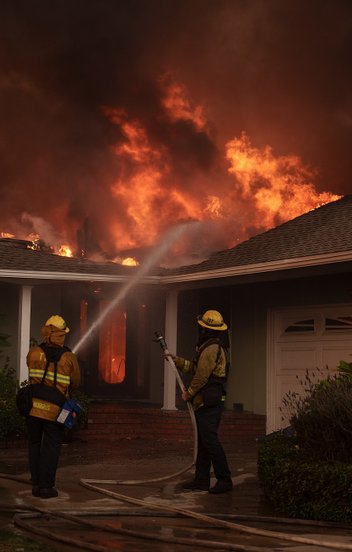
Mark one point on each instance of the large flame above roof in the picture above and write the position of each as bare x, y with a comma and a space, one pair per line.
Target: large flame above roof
253, 190
120, 119
237, 189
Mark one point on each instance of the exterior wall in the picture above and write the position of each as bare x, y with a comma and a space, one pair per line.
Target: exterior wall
191, 304
188, 309
156, 322
249, 304
46, 301
246, 307
64, 299
9, 297
247, 380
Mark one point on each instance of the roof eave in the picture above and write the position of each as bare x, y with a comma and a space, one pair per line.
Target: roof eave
74, 276
272, 266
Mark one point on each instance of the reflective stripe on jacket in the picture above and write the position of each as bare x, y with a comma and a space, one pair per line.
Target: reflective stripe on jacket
208, 363
67, 377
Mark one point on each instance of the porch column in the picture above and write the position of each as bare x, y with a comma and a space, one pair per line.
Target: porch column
171, 340
24, 328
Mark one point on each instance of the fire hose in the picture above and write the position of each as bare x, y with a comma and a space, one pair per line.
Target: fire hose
161, 509
161, 340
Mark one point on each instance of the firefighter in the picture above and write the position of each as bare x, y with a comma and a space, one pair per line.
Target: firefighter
55, 368
207, 394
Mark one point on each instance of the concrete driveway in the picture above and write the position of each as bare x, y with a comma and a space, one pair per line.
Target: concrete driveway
144, 460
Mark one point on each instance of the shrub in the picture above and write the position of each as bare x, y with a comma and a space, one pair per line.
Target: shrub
11, 423
323, 423
82, 399
321, 417
309, 474
301, 488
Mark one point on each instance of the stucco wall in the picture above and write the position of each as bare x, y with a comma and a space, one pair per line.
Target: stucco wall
243, 306
249, 305
9, 321
247, 379
46, 301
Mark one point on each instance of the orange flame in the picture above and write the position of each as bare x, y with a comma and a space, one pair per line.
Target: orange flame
65, 251
130, 261
249, 190
141, 190
280, 187
273, 189
178, 105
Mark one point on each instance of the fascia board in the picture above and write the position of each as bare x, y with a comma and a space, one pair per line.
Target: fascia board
283, 264
74, 276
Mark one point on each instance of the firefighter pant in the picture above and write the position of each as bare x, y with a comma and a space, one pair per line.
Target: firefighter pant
210, 450
44, 445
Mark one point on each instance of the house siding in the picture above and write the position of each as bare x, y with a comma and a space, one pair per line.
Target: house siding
249, 304
9, 298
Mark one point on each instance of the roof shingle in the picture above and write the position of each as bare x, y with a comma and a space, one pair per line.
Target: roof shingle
327, 229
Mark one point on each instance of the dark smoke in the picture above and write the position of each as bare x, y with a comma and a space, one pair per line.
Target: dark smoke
279, 70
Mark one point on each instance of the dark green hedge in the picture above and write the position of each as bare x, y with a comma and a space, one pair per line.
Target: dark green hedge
304, 489
11, 423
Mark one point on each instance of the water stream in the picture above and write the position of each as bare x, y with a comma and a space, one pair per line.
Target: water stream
154, 258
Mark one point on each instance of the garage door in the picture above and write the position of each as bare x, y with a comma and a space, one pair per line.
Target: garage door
309, 338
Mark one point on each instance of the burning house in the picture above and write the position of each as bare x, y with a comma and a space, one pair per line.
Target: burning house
112, 135
286, 294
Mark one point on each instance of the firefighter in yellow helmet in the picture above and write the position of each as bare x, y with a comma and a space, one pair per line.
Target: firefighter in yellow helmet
207, 394
55, 370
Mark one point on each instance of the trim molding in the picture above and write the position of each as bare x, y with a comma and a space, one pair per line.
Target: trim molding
272, 266
283, 264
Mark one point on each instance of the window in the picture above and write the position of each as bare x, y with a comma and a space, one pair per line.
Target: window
112, 345
302, 326
338, 324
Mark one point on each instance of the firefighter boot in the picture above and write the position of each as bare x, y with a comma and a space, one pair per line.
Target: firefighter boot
49, 493
36, 490
196, 485
221, 486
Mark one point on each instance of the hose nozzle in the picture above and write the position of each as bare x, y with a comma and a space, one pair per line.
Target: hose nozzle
160, 339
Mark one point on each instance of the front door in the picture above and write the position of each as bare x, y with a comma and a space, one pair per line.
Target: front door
115, 359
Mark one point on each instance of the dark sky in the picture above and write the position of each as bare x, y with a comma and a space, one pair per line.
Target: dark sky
280, 70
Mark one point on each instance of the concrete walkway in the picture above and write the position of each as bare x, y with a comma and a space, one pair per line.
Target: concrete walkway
140, 460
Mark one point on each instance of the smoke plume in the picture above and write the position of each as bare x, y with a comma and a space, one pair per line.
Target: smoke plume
127, 114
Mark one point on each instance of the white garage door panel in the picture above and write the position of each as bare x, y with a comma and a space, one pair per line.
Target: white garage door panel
313, 338
298, 358
285, 383
332, 354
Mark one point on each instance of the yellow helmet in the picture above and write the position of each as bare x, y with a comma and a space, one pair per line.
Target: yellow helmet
57, 321
212, 320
